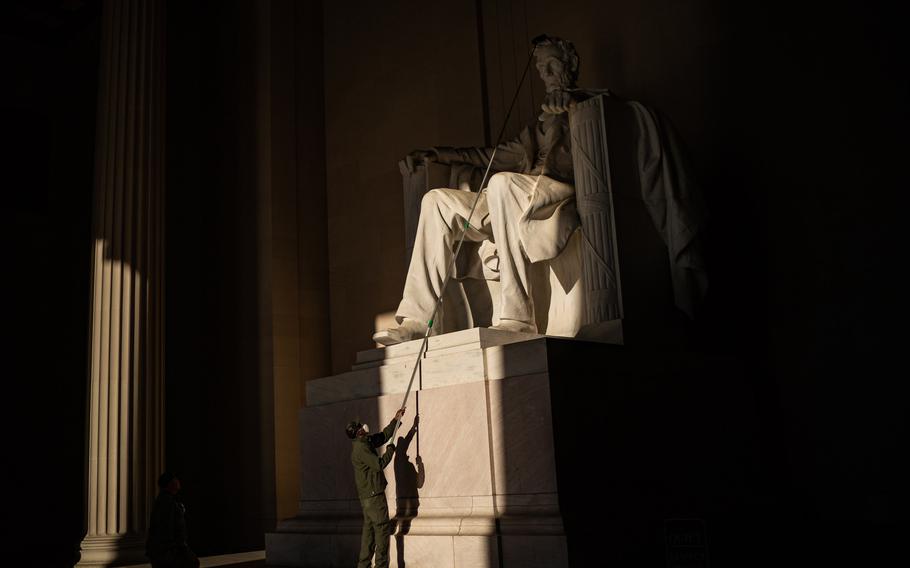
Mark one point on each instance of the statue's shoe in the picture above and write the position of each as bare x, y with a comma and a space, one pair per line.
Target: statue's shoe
406, 331
515, 326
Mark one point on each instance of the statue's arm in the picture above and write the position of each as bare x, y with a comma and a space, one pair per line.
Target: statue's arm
510, 156
477, 157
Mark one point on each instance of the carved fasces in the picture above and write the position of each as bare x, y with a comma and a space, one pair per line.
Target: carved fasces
594, 199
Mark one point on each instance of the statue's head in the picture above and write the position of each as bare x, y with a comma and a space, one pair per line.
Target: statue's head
557, 63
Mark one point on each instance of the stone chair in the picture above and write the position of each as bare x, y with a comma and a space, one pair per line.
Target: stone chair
613, 281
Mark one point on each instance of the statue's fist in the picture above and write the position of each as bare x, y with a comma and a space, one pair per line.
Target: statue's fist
556, 102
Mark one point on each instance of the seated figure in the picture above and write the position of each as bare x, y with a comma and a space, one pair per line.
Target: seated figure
527, 208
528, 215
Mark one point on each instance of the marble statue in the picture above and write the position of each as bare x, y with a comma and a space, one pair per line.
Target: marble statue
530, 212
527, 209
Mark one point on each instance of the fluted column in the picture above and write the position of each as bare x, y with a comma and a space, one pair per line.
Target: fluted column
126, 373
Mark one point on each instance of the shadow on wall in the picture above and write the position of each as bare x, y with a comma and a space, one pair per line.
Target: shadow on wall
452, 490
216, 396
409, 478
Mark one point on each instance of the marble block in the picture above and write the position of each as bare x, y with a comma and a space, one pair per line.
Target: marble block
452, 358
473, 485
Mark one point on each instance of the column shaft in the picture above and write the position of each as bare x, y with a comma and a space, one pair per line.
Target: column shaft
126, 372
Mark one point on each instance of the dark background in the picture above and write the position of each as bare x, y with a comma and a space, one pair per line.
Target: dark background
802, 157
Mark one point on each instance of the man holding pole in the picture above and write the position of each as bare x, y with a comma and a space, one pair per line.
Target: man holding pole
371, 484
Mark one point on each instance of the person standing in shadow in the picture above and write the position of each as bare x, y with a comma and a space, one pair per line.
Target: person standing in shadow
166, 546
408, 479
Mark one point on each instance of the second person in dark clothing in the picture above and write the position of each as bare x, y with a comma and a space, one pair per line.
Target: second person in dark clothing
166, 546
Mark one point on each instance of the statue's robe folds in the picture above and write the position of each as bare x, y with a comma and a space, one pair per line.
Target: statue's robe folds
667, 187
674, 203
542, 150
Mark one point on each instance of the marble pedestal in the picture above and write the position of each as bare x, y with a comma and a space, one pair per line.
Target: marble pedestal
474, 485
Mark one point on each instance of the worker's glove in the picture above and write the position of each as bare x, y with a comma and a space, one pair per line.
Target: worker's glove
391, 447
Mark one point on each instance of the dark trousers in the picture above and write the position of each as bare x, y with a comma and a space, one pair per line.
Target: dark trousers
376, 530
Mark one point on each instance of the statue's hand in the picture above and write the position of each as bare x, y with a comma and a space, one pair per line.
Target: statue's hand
556, 102
419, 157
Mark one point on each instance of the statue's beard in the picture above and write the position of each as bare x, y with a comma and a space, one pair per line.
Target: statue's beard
562, 83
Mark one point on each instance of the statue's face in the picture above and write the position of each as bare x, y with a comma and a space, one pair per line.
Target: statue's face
553, 70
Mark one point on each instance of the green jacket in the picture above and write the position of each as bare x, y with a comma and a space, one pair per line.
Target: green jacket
368, 466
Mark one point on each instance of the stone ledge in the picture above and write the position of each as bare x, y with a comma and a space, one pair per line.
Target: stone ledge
460, 505
481, 337
435, 525
511, 354
421, 551
245, 559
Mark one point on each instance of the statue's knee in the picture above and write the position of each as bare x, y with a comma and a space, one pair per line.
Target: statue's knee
430, 199
498, 183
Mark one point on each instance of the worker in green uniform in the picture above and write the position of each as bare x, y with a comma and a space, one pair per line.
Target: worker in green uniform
371, 483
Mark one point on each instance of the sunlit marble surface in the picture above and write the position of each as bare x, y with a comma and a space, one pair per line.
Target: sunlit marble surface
473, 483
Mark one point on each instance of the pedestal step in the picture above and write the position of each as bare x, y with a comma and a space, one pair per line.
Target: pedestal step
466, 356
420, 551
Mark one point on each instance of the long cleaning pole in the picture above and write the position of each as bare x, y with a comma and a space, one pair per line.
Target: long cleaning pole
464, 231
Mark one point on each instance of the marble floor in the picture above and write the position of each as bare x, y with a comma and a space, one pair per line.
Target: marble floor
253, 559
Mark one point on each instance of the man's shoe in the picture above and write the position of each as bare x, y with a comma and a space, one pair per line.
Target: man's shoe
407, 330
515, 326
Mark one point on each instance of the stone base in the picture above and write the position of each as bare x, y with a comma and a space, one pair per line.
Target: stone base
112, 550
436, 551
523, 440
474, 484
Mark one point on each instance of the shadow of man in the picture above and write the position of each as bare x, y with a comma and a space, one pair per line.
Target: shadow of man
408, 479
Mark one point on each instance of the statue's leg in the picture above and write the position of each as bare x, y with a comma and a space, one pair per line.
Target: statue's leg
508, 195
443, 213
